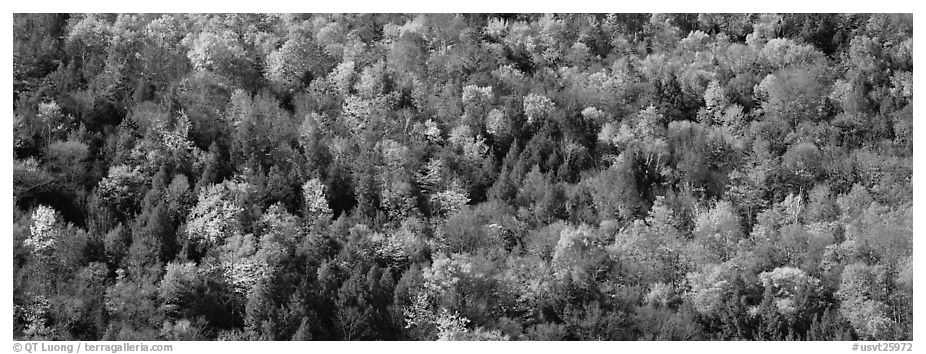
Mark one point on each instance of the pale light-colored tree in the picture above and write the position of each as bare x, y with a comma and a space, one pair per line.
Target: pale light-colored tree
179, 279
476, 149
784, 283
432, 175
496, 27
862, 292
357, 112
90, 36
764, 30
451, 199
714, 96
341, 78
509, 75
653, 251
287, 65
43, 232
573, 253
91, 30
659, 295
121, 186
477, 95
537, 107
418, 313
245, 274
578, 54
313, 194
166, 31
371, 84
783, 52
592, 114
841, 94
794, 94
460, 135
280, 231
36, 318
401, 244
446, 272
219, 50
176, 138
709, 288
432, 131
215, 215
717, 232
477, 101
238, 263
450, 326
793, 205
497, 124
902, 84
52, 119
643, 132
182, 329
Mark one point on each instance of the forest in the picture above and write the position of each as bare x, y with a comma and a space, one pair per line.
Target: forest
679, 177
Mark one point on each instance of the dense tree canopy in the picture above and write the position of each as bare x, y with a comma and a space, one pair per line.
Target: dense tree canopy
463, 177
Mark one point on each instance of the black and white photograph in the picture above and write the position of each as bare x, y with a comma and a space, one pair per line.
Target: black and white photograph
525, 176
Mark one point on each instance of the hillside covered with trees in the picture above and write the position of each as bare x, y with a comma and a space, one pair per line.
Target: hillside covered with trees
463, 177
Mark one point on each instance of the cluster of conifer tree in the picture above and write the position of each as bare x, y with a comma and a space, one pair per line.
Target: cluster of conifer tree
463, 177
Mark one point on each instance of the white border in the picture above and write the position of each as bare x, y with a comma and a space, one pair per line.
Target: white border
481, 6
467, 6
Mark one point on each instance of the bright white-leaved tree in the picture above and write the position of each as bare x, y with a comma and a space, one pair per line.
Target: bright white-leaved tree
42, 233
643, 131
215, 215
401, 244
219, 51
313, 194
474, 147
477, 101
446, 276
36, 318
497, 123
288, 64
537, 108
121, 188
454, 198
